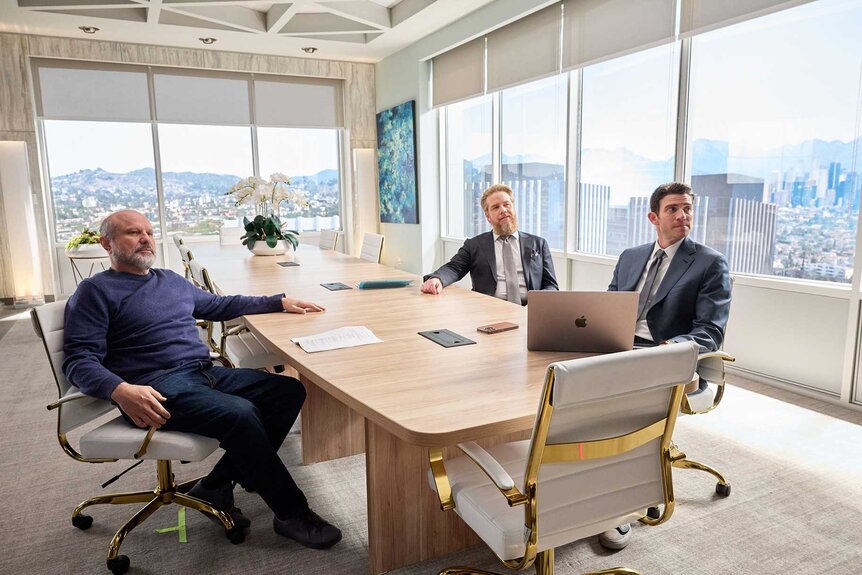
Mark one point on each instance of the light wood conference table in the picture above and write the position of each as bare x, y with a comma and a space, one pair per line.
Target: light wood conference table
395, 399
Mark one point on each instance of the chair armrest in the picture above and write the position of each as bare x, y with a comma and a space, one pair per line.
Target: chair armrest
495, 472
723, 355
712, 372
488, 464
441, 480
66, 399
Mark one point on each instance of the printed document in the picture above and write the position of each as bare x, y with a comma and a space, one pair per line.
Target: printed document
351, 336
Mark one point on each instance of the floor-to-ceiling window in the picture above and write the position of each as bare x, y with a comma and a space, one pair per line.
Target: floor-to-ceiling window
171, 142
96, 168
769, 121
628, 134
468, 153
533, 150
773, 145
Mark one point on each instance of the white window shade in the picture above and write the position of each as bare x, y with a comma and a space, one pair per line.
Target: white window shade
525, 50
459, 74
298, 103
70, 94
700, 16
201, 99
597, 30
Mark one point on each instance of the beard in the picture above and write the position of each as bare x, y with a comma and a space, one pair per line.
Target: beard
506, 227
137, 259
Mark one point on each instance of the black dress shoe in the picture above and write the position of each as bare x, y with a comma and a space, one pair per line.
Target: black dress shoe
309, 529
222, 499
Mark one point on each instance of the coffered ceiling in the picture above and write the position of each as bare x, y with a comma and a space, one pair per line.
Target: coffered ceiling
355, 30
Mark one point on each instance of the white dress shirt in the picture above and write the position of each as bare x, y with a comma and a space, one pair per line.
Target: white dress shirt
641, 328
501, 272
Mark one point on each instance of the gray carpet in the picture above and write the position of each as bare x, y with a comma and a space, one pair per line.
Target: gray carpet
795, 504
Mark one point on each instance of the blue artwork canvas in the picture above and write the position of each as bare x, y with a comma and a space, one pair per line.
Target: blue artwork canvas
396, 164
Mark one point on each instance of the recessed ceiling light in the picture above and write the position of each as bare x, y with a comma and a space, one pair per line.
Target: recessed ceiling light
309, 49
88, 29
207, 41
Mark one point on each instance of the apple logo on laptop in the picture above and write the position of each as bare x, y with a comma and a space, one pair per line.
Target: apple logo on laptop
581, 322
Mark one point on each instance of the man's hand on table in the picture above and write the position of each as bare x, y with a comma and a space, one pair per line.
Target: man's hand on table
291, 305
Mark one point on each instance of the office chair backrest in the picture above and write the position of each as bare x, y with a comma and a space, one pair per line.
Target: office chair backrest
48, 321
588, 403
186, 254
372, 246
199, 275
178, 240
328, 239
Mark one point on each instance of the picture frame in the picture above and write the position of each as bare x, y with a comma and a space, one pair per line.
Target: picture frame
396, 164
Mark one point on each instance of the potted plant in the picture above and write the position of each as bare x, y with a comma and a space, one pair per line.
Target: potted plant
86, 244
265, 233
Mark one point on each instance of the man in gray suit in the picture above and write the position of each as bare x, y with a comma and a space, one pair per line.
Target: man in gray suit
504, 263
684, 289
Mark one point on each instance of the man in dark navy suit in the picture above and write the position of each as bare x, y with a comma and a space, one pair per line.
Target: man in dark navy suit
684, 289
505, 263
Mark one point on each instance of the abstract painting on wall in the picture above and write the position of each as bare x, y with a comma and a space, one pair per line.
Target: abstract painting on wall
396, 164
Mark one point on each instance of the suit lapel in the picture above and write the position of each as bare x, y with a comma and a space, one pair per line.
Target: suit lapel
642, 257
678, 266
486, 245
527, 250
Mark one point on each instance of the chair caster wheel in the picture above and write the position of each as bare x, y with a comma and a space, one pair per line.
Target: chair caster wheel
653, 513
235, 535
119, 565
82, 522
723, 490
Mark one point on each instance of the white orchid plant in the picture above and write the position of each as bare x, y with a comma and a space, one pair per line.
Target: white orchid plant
267, 198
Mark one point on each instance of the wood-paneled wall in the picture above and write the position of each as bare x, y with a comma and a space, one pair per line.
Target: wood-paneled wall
17, 121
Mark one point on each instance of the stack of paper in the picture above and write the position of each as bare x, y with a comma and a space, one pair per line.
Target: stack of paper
351, 336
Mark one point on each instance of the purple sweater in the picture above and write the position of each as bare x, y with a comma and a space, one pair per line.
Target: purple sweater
126, 327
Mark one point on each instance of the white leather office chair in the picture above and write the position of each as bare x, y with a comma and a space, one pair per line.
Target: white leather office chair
372, 246
117, 439
599, 456
328, 239
236, 345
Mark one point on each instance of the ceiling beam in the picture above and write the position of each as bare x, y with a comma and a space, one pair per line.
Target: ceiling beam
233, 16
367, 13
278, 17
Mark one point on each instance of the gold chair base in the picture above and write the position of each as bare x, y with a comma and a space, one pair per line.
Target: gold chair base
166, 493
544, 565
680, 460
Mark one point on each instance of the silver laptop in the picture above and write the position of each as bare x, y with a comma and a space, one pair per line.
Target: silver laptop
595, 321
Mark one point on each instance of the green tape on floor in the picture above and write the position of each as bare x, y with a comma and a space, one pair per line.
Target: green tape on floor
179, 527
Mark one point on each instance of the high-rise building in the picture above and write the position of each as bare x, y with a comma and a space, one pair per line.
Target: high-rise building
593, 210
737, 222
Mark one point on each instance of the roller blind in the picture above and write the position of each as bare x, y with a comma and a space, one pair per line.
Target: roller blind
597, 30
82, 94
703, 15
298, 103
191, 98
459, 74
525, 50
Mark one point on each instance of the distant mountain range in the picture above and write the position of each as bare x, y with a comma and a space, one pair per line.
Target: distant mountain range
708, 157
145, 178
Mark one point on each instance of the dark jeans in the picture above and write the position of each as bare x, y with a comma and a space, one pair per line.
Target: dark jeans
250, 412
